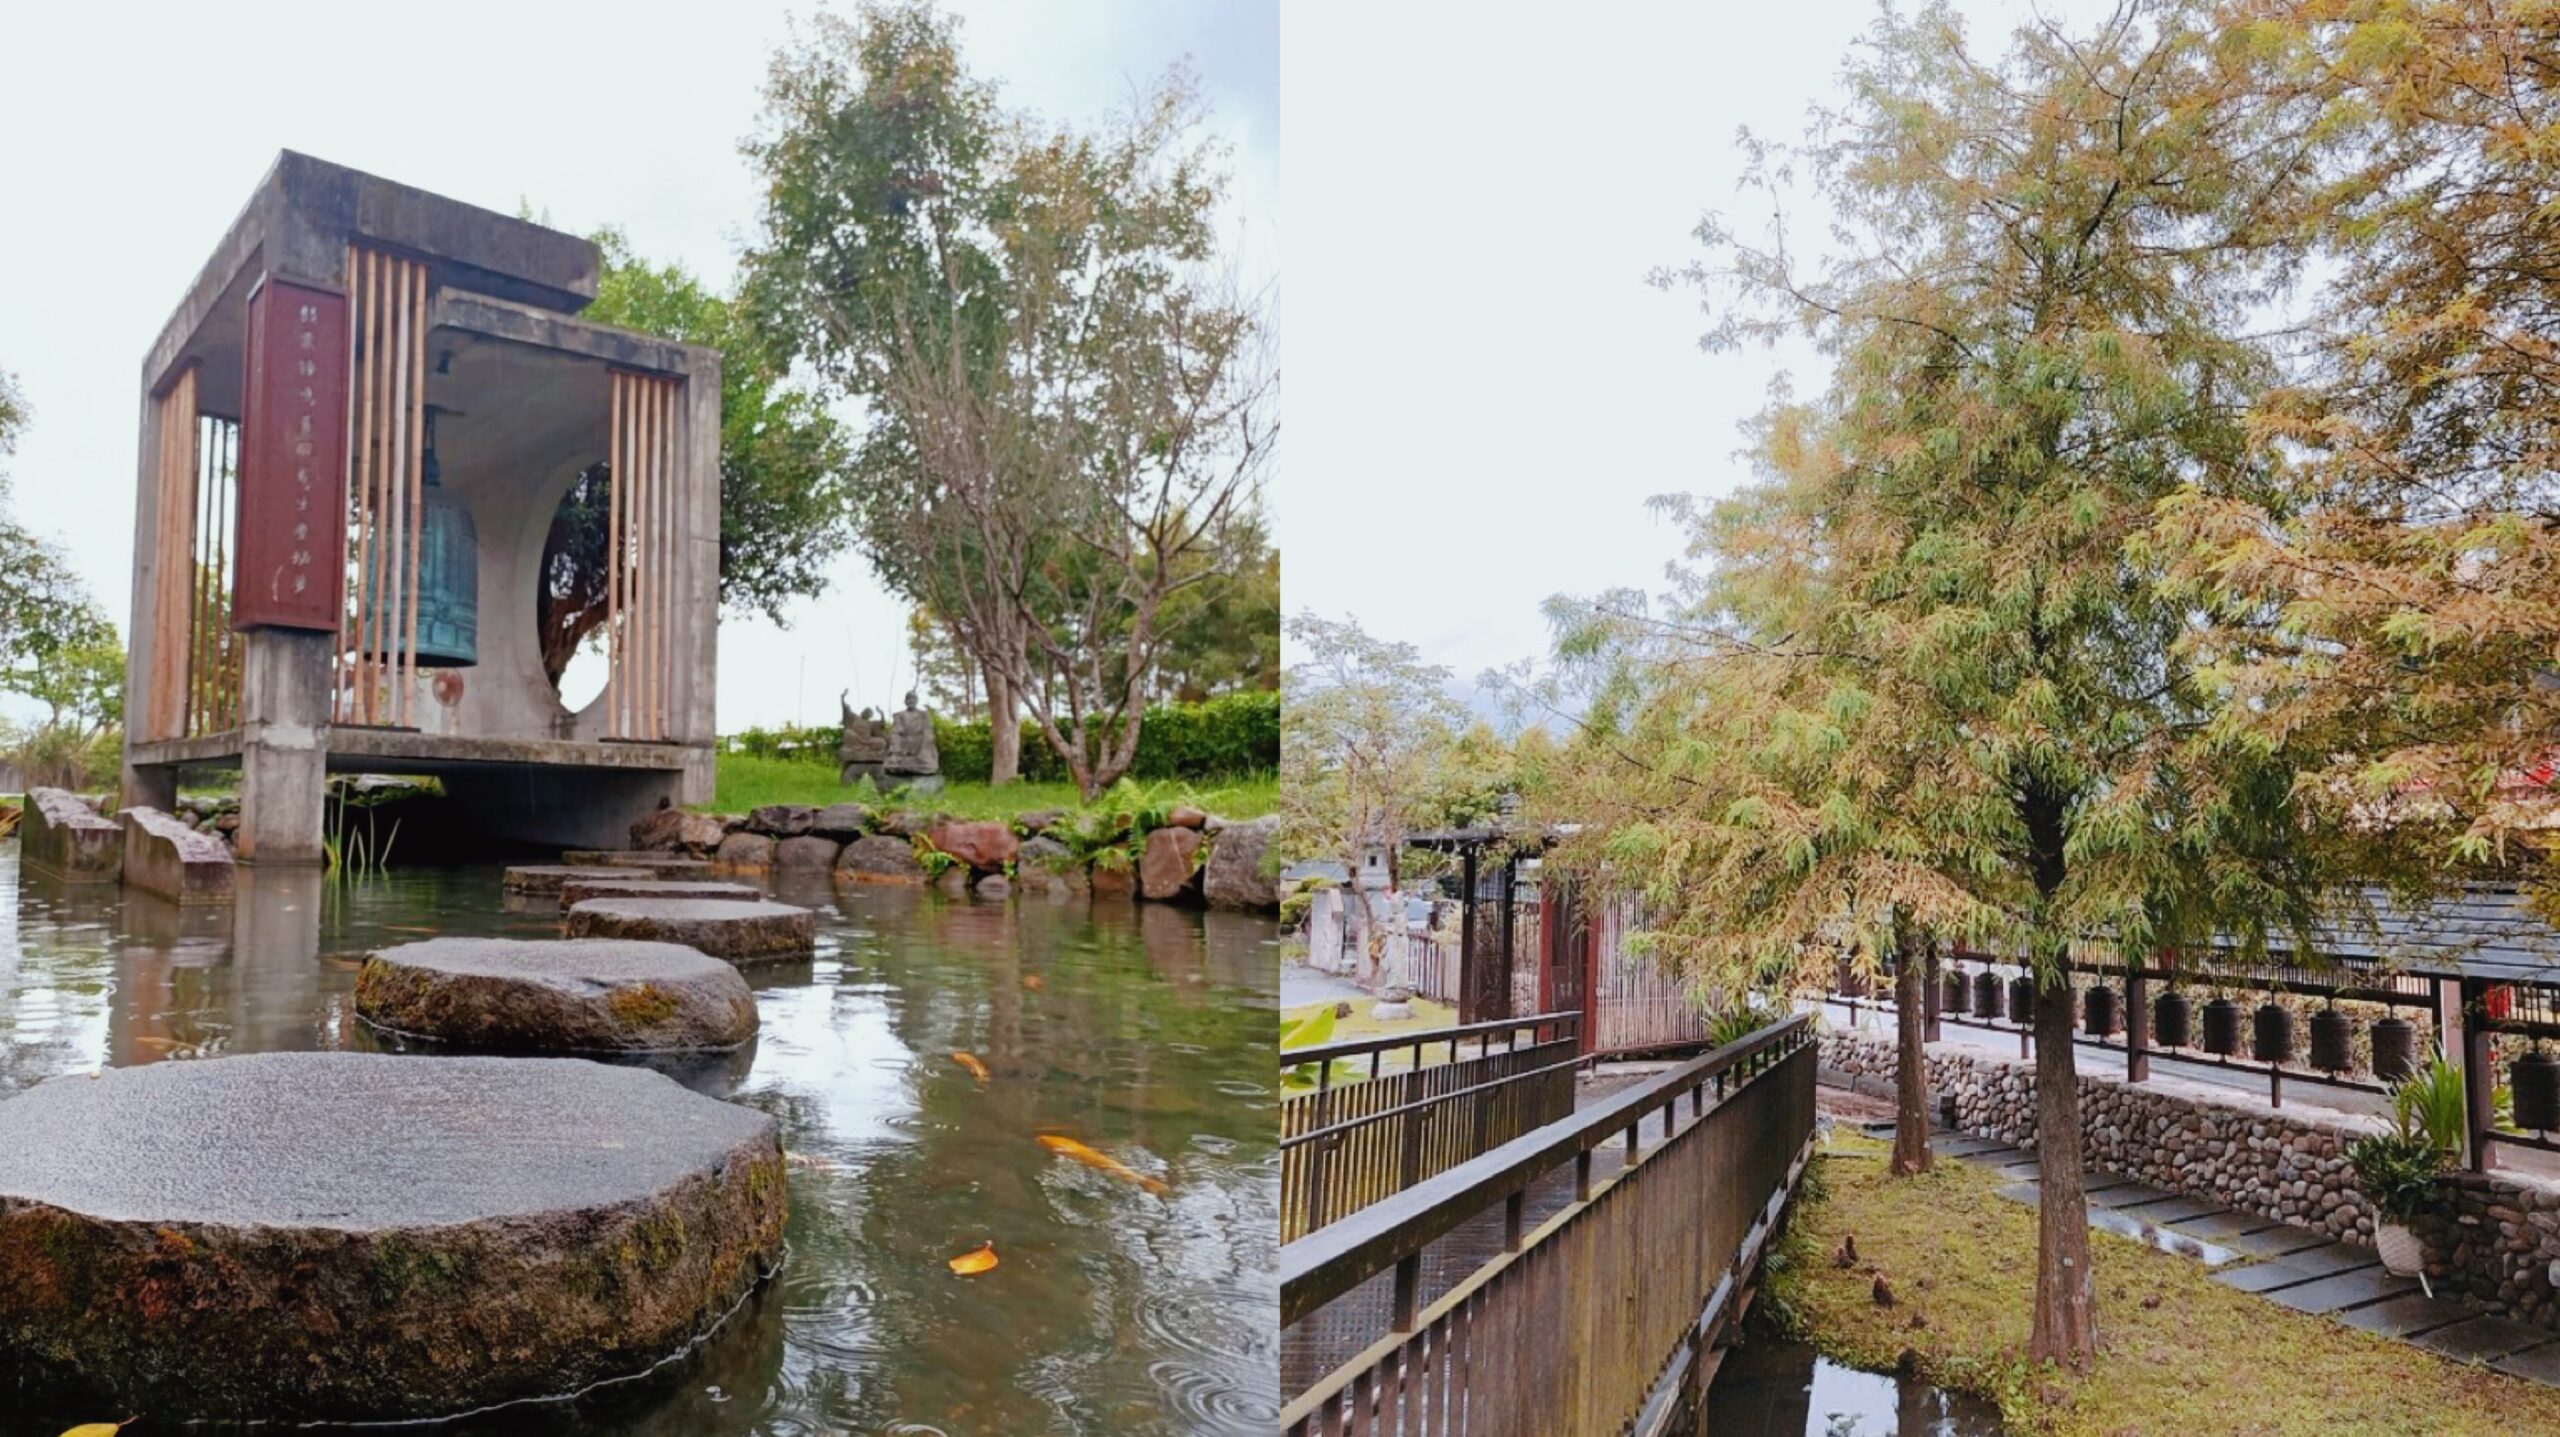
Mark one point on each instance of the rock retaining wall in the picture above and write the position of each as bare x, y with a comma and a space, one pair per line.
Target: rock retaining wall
2497, 1238
1193, 857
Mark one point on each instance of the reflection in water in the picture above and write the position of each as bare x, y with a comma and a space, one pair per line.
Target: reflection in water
1772, 1387
1144, 1032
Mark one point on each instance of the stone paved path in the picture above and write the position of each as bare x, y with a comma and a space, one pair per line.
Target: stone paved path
2304, 1270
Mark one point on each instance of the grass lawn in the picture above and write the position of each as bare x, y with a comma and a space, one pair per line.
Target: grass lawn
749, 782
2180, 1355
1426, 1014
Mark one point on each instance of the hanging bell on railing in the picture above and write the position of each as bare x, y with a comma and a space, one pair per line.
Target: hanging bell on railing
2395, 1049
2169, 1013
2332, 1041
2271, 1040
1986, 994
2533, 1083
2222, 1027
2098, 1011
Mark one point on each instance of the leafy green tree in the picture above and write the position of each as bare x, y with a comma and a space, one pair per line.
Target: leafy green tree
785, 464
1936, 683
1368, 731
1223, 634
49, 626
2411, 559
1069, 413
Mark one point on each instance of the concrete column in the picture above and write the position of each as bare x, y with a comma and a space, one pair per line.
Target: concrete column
284, 745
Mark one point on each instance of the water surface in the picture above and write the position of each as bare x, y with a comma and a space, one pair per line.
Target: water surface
1770, 1386
1143, 1031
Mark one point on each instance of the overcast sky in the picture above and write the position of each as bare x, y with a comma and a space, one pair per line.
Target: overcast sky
134, 134
1483, 390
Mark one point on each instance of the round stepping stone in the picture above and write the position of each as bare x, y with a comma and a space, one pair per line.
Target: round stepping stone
581, 995
662, 865
351, 1236
741, 932
577, 890
543, 878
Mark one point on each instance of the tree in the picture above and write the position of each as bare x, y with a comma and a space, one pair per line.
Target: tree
785, 464
1366, 729
56, 645
1069, 415
1223, 634
1937, 683
50, 629
2411, 562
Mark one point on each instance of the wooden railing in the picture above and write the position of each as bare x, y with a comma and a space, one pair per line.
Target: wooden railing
1587, 1319
1356, 1138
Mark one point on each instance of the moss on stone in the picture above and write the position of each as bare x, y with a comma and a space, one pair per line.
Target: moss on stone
642, 1005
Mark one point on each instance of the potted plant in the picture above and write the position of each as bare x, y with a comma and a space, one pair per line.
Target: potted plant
2398, 1169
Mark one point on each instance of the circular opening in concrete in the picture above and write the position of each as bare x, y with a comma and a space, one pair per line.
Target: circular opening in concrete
570, 602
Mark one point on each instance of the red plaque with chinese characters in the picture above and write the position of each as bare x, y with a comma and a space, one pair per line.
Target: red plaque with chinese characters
293, 462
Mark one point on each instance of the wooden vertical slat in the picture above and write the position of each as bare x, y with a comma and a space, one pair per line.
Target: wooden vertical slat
666, 566
417, 510
200, 489
613, 561
377, 408
644, 474
404, 428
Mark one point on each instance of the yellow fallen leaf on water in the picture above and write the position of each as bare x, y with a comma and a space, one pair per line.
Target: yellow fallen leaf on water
1069, 1147
100, 1429
967, 1264
976, 1069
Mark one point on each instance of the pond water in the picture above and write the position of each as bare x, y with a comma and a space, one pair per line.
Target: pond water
1141, 1030
1772, 1387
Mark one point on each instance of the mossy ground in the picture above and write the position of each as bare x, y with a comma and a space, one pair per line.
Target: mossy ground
746, 782
2181, 1354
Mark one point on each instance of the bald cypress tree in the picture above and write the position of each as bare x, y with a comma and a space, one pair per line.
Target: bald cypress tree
1933, 679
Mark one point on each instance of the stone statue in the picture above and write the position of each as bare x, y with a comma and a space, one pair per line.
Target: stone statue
864, 749
913, 760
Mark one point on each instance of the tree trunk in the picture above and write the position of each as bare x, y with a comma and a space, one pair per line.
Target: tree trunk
1004, 730
2065, 1328
1911, 1066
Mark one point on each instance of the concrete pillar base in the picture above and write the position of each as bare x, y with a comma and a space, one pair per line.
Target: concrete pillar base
284, 747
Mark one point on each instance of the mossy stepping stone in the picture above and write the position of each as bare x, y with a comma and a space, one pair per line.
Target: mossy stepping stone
557, 996
577, 890
661, 865
741, 931
305, 1237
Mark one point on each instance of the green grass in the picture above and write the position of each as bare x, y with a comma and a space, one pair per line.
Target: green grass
748, 782
2179, 1353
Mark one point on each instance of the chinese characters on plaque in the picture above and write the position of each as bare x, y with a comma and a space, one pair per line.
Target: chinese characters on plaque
292, 537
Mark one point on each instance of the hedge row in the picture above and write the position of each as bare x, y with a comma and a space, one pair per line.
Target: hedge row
1220, 738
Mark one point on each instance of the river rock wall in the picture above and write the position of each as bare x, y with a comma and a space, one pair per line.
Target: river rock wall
2495, 1237
1192, 857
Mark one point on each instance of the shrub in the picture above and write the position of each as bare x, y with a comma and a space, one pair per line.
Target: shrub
1218, 738
1224, 737
2397, 1172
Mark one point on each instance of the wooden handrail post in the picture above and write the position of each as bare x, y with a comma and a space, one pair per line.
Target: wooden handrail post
2137, 1026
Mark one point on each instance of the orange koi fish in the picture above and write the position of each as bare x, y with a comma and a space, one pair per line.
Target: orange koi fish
976, 1069
1070, 1148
